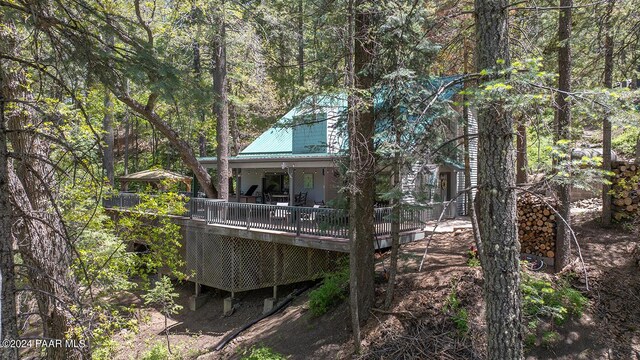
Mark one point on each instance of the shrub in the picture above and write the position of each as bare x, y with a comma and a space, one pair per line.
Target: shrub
556, 301
472, 257
458, 314
625, 143
261, 353
550, 338
333, 290
157, 352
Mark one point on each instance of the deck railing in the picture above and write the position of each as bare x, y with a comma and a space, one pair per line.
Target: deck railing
292, 219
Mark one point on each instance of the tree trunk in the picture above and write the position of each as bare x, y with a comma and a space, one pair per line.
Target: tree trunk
127, 132
563, 132
521, 149
234, 128
8, 319
496, 197
395, 221
182, 147
38, 229
108, 138
107, 128
136, 154
361, 164
606, 123
197, 70
220, 105
300, 34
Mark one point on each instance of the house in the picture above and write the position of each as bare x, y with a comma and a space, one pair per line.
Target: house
239, 246
302, 155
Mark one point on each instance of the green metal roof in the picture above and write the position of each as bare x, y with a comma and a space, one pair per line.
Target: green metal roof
278, 141
272, 141
213, 159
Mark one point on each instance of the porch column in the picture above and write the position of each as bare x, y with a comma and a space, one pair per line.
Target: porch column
324, 186
292, 173
238, 183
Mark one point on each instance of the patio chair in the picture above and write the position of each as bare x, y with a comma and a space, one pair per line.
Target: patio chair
251, 190
279, 214
311, 216
267, 199
300, 199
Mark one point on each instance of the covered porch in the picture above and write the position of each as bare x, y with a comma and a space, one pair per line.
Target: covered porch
285, 180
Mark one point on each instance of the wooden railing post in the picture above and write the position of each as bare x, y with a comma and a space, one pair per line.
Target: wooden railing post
296, 213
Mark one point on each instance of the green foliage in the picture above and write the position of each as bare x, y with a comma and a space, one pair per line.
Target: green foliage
472, 257
539, 148
261, 353
461, 320
530, 340
110, 320
545, 301
549, 338
148, 223
105, 351
474, 262
157, 352
542, 298
333, 290
625, 142
107, 261
163, 296
458, 314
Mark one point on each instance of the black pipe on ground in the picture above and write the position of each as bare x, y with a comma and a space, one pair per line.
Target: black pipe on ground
279, 307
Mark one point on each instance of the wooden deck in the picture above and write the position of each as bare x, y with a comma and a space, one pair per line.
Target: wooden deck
318, 228
240, 247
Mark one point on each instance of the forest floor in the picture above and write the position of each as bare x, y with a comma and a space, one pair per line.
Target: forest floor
438, 313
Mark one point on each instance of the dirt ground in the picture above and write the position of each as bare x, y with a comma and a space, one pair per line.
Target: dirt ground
419, 324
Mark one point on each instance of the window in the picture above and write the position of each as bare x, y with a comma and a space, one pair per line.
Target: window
276, 183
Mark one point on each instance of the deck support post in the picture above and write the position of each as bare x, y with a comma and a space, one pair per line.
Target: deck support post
198, 299
269, 304
228, 306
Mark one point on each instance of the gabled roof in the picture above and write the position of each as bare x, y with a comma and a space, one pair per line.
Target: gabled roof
154, 175
279, 138
278, 141
274, 140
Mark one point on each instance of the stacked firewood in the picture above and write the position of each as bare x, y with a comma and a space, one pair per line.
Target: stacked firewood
536, 226
626, 191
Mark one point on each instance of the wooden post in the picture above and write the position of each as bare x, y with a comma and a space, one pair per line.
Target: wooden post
238, 184
292, 173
